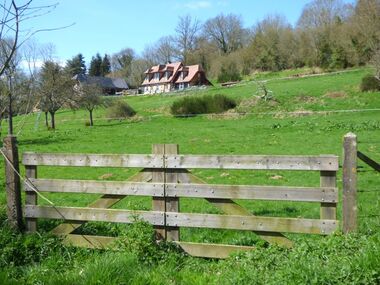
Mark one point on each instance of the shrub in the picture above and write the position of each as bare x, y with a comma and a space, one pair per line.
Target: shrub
370, 83
202, 105
120, 109
229, 73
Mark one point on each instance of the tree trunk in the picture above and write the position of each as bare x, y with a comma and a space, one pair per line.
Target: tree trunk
10, 116
46, 120
52, 114
91, 121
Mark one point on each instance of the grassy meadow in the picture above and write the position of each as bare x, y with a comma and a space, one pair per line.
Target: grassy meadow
308, 115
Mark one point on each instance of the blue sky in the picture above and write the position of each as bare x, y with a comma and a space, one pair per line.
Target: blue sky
107, 26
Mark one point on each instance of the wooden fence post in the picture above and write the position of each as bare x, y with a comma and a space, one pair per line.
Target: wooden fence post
172, 203
158, 203
349, 183
12, 183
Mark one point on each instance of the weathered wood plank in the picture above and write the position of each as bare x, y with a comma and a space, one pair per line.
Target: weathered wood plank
328, 208
210, 250
252, 223
228, 206
172, 203
158, 176
88, 241
193, 249
258, 162
93, 214
302, 194
350, 208
30, 197
99, 187
93, 160
106, 201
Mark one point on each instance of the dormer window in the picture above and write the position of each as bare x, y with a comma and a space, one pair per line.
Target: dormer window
184, 74
168, 74
157, 76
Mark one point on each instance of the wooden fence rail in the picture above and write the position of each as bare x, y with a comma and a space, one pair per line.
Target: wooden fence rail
165, 178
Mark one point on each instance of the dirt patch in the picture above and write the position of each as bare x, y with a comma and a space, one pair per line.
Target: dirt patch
105, 176
294, 114
336, 94
247, 104
276, 177
229, 115
302, 98
165, 110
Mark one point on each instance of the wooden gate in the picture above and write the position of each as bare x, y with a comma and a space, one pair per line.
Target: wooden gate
166, 178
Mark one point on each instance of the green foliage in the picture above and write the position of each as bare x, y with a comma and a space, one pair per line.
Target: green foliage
76, 65
202, 105
229, 73
100, 66
120, 110
334, 259
140, 240
95, 66
106, 65
370, 83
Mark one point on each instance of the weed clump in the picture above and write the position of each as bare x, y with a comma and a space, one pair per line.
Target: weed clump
120, 110
370, 83
140, 240
202, 105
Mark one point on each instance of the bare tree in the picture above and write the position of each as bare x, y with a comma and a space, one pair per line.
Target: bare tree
376, 63
122, 60
88, 96
226, 31
166, 51
3, 102
10, 72
365, 28
13, 34
138, 67
56, 89
186, 34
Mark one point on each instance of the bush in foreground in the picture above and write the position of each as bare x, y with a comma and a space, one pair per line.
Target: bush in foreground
202, 105
120, 110
370, 83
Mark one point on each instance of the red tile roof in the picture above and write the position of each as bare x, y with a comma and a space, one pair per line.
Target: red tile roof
173, 67
192, 71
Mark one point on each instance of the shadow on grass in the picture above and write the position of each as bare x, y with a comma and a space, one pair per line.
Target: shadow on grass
276, 212
43, 140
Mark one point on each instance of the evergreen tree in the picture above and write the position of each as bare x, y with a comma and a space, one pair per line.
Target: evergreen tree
76, 65
96, 66
106, 65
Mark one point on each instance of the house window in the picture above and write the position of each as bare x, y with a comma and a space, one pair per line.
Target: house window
181, 86
157, 76
186, 85
168, 74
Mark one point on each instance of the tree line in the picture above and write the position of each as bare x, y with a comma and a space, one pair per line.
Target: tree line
329, 34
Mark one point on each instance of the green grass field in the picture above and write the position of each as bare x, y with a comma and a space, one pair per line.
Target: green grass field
308, 116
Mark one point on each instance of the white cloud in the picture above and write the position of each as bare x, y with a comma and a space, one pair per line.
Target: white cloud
195, 5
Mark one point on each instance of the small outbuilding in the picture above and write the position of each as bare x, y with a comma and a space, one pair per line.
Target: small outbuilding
110, 86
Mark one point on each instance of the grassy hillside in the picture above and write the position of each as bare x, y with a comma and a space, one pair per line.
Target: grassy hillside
307, 116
